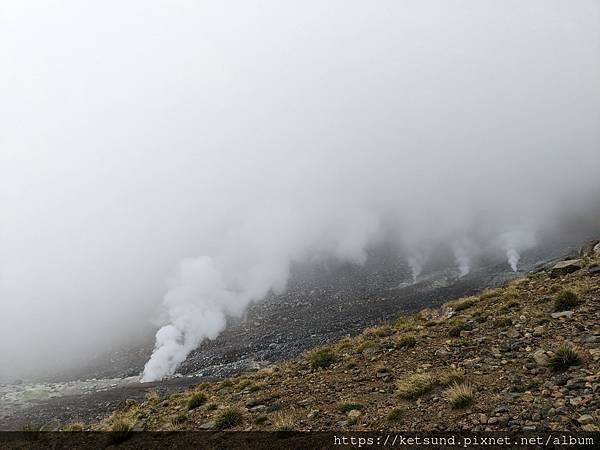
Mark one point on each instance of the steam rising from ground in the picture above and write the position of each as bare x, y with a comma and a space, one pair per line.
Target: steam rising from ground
217, 144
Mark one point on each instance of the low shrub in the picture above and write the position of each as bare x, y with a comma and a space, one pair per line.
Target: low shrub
415, 386
565, 301
228, 418
460, 395
197, 399
563, 358
322, 358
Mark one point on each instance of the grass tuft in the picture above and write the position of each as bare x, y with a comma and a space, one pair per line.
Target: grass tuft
565, 301
197, 399
228, 418
460, 395
563, 358
461, 305
284, 422
347, 407
450, 377
322, 358
395, 414
77, 426
408, 341
120, 431
179, 419
415, 386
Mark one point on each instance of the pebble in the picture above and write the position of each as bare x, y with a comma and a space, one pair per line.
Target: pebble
585, 419
558, 315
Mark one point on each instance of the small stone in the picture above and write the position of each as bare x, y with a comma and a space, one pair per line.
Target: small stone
538, 331
540, 357
512, 333
483, 418
354, 414
442, 353
207, 425
558, 315
585, 419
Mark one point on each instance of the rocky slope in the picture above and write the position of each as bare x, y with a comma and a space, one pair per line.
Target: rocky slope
522, 357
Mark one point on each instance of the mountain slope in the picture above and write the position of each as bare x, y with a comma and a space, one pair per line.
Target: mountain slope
487, 362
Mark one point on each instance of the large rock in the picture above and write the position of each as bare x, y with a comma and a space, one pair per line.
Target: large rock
597, 249
564, 267
540, 357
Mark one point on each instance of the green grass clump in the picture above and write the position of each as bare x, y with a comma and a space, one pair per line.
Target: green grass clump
404, 323
489, 295
347, 407
197, 399
415, 386
461, 305
381, 332
460, 395
322, 358
255, 387
226, 384
395, 414
563, 358
408, 340
228, 418
77, 426
120, 431
565, 301
450, 377
179, 419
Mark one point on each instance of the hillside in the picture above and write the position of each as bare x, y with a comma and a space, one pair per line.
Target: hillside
522, 357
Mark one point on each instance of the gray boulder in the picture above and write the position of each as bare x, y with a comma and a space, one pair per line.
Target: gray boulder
564, 267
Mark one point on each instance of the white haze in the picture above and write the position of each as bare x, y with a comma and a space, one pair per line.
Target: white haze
212, 144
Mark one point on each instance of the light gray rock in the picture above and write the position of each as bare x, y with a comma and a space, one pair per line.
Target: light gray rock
354, 414
564, 267
585, 419
558, 315
207, 425
540, 357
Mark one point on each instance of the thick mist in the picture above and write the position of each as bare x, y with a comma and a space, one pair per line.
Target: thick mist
162, 164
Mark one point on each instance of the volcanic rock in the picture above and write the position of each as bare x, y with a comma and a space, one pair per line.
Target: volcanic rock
565, 267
